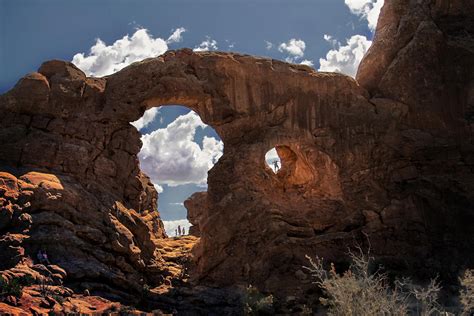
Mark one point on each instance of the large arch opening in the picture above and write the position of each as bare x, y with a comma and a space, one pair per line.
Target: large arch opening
177, 152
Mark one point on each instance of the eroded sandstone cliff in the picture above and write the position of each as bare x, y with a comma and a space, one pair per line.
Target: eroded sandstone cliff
389, 156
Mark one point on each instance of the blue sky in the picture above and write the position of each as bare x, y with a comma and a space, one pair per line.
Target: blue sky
330, 35
34, 31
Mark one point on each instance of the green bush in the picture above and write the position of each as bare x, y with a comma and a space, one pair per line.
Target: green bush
12, 287
58, 298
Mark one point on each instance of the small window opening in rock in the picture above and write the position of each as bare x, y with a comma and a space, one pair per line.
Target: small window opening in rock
177, 152
273, 160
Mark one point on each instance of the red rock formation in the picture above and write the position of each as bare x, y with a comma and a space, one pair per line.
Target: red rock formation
422, 58
197, 208
391, 158
90, 239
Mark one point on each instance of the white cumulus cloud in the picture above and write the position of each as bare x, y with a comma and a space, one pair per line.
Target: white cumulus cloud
366, 9
171, 156
172, 226
176, 36
158, 188
307, 62
345, 58
146, 119
206, 45
104, 59
294, 47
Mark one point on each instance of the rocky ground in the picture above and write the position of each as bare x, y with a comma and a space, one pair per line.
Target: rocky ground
43, 292
48, 295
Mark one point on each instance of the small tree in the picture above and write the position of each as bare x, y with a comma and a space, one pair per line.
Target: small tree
466, 295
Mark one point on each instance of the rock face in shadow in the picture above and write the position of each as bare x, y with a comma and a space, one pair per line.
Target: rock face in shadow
390, 157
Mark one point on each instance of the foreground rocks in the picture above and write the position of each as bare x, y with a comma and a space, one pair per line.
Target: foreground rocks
89, 238
33, 303
389, 156
42, 291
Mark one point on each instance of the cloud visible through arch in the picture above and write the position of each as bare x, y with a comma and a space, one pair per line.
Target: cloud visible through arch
146, 119
176, 156
171, 226
171, 155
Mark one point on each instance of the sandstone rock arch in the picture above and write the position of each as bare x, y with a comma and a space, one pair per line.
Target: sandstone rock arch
386, 160
80, 127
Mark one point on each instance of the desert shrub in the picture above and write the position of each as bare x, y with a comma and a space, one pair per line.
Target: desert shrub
425, 298
256, 303
145, 291
305, 311
12, 287
26, 280
44, 289
466, 295
126, 310
58, 298
358, 291
113, 308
